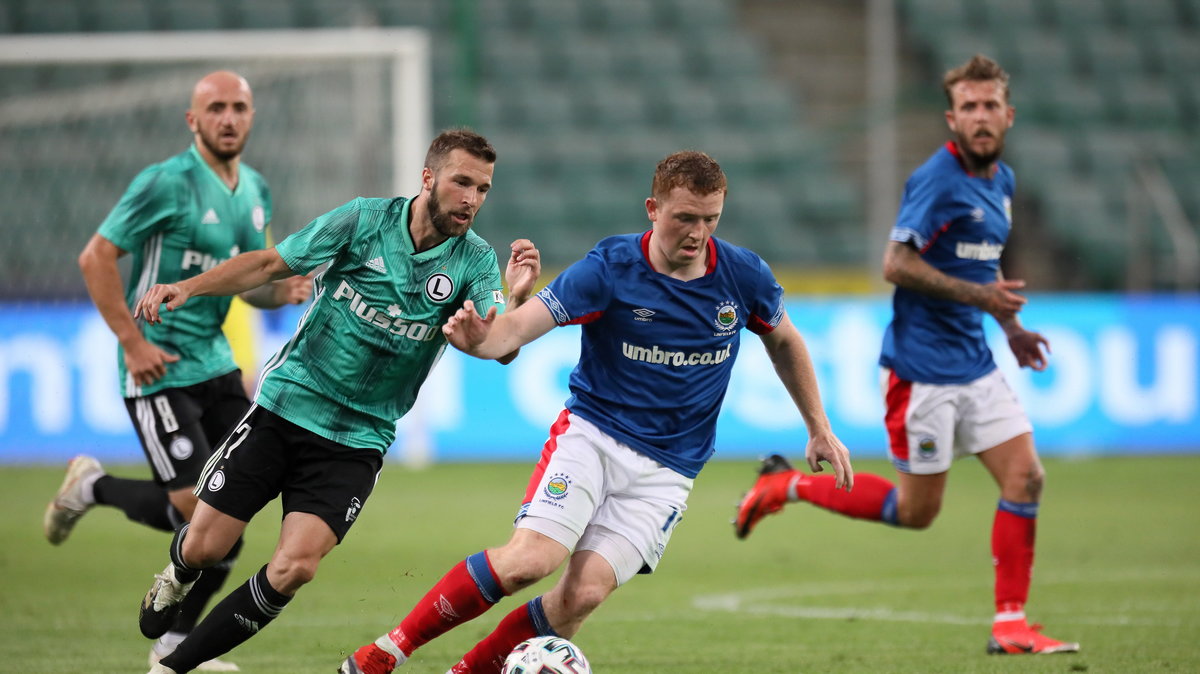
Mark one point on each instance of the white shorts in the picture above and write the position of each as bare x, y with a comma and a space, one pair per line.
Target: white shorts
591, 492
930, 425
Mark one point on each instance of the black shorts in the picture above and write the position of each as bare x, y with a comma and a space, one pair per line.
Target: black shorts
266, 455
179, 427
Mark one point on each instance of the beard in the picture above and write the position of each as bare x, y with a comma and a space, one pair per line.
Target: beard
442, 222
212, 144
981, 159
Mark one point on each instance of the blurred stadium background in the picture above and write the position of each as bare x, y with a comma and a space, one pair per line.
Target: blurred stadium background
817, 109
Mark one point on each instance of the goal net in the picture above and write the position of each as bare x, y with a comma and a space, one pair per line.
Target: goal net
339, 114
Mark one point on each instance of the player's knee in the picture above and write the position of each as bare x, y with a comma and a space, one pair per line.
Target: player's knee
525, 560
1024, 483
920, 517
288, 574
921, 523
524, 571
584, 599
1034, 481
200, 552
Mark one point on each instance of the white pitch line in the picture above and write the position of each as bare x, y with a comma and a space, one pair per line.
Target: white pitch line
738, 603
766, 602
788, 602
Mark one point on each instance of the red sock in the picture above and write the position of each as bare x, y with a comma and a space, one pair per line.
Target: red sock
873, 497
1013, 533
458, 597
488, 655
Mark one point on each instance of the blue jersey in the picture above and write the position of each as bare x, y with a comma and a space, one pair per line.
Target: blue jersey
960, 224
656, 351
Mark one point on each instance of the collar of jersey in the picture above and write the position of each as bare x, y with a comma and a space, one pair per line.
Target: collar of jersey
710, 264
952, 148
211, 173
436, 251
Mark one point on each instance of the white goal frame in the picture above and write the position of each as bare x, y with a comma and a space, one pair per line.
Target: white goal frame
407, 48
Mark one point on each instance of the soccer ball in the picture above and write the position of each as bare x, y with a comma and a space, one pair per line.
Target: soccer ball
546, 655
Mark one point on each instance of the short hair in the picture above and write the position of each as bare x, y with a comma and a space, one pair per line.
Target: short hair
458, 139
979, 69
695, 171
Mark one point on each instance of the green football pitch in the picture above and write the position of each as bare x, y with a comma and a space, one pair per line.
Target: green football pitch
1118, 569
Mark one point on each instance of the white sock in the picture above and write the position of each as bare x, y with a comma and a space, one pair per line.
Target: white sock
792, 494
1009, 616
87, 487
385, 642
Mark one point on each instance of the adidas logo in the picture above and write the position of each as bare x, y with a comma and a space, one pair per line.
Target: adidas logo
210, 218
377, 265
250, 626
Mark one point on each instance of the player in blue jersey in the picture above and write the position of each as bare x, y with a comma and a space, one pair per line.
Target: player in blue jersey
944, 396
179, 380
393, 272
662, 314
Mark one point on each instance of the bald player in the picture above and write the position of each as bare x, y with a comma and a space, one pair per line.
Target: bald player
178, 378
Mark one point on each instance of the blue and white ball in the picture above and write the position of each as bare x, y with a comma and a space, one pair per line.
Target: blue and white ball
546, 655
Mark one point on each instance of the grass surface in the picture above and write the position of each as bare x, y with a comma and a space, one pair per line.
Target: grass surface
1118, 569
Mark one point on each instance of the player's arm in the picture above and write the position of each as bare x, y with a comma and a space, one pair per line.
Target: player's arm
1026, 345
291, 290
904, 267
233, 276
145, 362
521, 273
792, 362
491, 337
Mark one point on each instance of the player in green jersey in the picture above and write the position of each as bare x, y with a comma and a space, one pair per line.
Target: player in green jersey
179, 380
326, 407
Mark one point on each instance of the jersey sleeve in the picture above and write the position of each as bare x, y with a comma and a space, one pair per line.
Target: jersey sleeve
322, 239
486, 290
581, 293
917, 221
146, 208
766, 307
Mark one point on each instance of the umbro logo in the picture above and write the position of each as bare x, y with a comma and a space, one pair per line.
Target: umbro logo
445, 608
210, 218
377, 265
643, 314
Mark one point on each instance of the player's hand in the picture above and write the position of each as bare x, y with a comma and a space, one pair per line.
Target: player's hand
1000, 300
524, 267
826, 447
148, 306
293, 290
465, 330
1027, 346
145, 362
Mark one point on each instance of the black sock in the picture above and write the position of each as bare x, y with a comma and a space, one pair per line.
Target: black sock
239, 616
206, 586
183, 572
142, 501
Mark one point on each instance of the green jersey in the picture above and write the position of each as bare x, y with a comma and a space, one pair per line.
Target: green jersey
374, 329
178, 218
